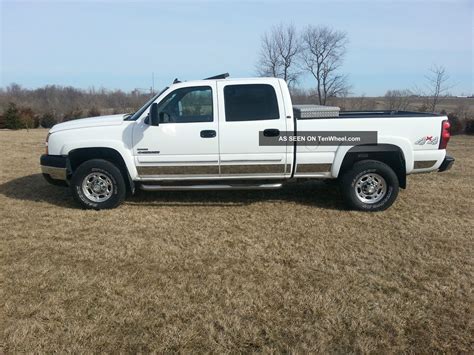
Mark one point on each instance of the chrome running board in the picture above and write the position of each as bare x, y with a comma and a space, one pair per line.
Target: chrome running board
209, 187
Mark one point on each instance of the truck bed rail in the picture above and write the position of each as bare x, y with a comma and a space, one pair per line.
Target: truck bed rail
384, 113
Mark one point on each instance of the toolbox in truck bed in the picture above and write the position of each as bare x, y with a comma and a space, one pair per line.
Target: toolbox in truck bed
315, 111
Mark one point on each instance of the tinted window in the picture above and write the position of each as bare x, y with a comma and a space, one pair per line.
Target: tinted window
250, 102
192, 104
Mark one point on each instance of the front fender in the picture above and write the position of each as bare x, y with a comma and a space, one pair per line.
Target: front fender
111, 144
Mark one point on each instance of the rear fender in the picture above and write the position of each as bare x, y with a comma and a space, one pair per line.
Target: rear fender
389, 154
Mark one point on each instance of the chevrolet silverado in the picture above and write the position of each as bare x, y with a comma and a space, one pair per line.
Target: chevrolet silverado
221, 133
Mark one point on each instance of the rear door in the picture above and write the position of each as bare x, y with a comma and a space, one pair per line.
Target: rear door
185, 143
245, 109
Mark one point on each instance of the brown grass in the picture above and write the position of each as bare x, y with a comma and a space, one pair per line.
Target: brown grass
288, 270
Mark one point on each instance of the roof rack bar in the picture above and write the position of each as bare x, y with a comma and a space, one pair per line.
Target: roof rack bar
220, 76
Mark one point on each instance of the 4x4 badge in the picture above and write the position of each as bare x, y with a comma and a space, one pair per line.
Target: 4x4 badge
427, 140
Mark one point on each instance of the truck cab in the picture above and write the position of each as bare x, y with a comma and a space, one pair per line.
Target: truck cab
203, 130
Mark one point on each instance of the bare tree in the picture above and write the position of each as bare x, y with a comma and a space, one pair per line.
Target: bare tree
361, 103
322, 55
398, 100
268, 63
437, 84
278, 54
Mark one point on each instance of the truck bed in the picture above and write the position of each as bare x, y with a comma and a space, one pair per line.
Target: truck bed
312, 112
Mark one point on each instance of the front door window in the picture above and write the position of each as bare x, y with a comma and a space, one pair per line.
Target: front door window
193, 104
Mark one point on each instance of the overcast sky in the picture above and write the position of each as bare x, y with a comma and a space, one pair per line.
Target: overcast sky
118, 44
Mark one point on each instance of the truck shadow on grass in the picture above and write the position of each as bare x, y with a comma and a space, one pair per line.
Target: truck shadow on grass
315, 193
34, 188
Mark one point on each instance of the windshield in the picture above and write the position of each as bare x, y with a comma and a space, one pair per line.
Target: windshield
137, 114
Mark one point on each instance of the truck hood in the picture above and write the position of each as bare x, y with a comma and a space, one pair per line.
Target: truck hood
112, 120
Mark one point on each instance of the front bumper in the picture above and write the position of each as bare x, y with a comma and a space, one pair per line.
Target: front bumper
55, 166
446, 164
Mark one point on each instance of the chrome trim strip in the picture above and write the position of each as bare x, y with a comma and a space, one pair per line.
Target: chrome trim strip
251, 160
314, 175
54, 172
253, 169
184, 162
178, 170
424, 164
313, 168
158, 178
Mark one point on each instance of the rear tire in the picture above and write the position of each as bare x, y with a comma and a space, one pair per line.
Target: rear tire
98, 184
370, 186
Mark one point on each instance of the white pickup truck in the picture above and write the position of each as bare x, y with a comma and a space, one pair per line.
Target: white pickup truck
221, 133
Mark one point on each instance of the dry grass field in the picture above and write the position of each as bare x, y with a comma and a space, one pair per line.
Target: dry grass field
287, 270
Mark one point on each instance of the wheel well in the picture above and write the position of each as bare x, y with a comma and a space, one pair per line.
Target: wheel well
387, 153
78, 156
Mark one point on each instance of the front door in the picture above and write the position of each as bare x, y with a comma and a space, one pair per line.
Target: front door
185, 143
245, 110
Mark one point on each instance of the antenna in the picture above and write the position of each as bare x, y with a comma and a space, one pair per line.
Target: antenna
153, 82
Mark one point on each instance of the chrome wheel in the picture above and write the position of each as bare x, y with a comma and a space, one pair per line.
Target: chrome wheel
370, 188
97, 187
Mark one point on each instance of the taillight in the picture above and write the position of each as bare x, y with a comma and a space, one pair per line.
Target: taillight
445, 134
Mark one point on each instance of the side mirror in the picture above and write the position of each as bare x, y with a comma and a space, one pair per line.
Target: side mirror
154, 118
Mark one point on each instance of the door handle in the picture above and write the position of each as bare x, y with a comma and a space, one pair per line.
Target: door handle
271, 132
208, 133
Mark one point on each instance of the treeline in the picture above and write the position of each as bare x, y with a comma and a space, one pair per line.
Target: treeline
46, 106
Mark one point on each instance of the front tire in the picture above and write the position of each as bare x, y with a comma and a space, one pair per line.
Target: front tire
370, 186
98, 184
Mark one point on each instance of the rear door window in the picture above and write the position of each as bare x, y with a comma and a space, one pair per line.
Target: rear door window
250, 102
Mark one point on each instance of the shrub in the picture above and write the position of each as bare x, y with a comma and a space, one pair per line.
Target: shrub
423, 108
27, 118
469, 129
72, 115
93, 112
36, 121
48, 120
2, 122
12, 117
456, 124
